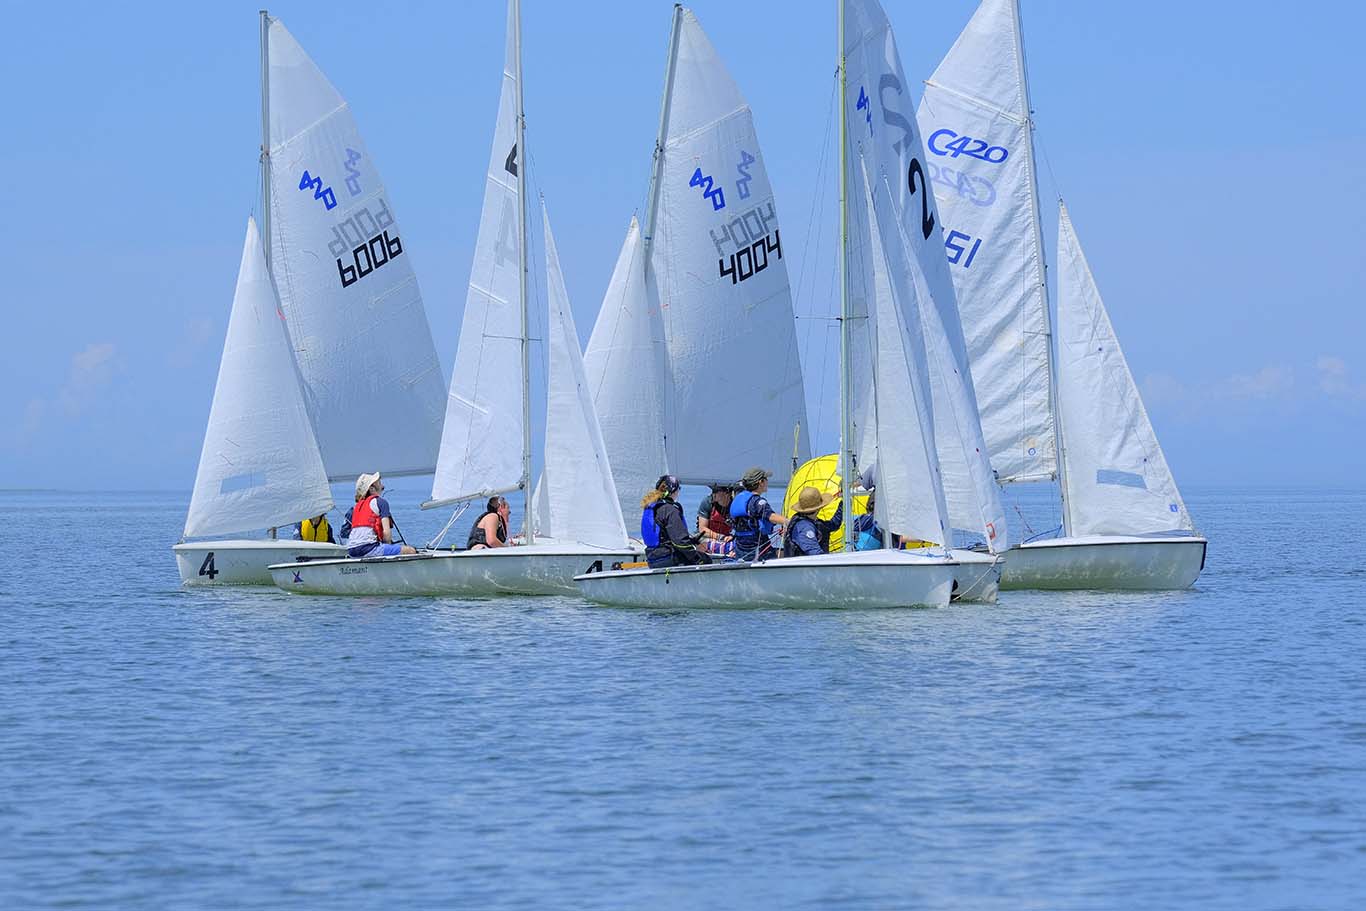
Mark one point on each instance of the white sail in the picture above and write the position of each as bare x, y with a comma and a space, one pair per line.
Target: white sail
1117, 478
580, 498
980, 162
970, 490
626, 363
717, 266
482, 439
883, 144
910, 494
346, 282
260, 466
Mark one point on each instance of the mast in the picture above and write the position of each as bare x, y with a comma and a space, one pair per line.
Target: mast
528, 531
846, 381
1043, 271
265, 134
652, 206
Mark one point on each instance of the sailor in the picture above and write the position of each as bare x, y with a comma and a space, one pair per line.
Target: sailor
867, 534
665, 530
372, 526
752, 519
316, 529
808, 534
491, 528
713, 521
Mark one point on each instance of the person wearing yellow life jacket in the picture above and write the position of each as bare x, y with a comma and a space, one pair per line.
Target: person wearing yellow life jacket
316, 529
372, 526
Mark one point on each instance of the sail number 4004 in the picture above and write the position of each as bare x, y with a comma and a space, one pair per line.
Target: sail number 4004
745, 262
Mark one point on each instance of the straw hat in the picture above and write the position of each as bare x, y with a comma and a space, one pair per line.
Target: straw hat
365, 482
812, 500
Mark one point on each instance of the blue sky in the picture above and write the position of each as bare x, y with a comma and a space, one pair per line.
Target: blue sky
1214, 167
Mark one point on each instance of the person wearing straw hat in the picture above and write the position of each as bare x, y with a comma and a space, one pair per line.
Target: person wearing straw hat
808, 534
372, 525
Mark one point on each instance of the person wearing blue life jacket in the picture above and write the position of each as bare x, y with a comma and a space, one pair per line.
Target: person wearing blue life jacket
752, 519
665, 531
867, 533
807, 534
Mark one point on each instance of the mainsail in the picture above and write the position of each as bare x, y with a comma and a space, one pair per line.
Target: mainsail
717, 272
346, 282
886, 157
1117, 479
260, 466
578, 500
976, 117
626, 363
482, 440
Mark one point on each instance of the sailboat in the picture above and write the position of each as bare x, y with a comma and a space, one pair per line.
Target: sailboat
977, 118
671, 361
893, 265
1127, 525
260, 466
486, 443
350, 310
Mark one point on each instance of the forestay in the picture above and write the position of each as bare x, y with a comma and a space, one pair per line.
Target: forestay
357, 323
626, 363
980, 163
578, 499
482, 439
260, 466
1118, 482
718, 267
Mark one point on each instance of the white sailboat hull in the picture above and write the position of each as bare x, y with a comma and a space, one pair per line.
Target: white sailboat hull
864, 579
977, 577
544, 568
242, 562
1105, 562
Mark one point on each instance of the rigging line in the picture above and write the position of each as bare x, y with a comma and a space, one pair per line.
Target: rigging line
819, 197
1053, 178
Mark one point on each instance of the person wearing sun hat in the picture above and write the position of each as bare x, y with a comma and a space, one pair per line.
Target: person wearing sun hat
808, 534
372, 525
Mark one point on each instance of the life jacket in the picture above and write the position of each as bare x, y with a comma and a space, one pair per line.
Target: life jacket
719, 521
746, 526
363, 515
649, 529
477, 535
309, 532
794, 528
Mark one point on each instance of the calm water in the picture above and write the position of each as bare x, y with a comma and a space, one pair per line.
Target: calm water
161, 748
